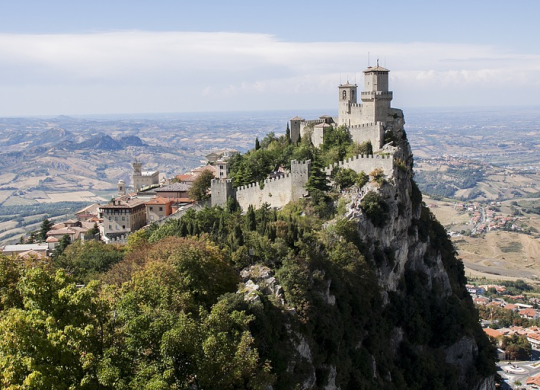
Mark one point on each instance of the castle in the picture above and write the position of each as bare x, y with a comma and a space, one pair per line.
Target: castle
367, 122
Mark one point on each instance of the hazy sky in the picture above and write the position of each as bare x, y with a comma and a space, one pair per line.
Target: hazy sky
131, 56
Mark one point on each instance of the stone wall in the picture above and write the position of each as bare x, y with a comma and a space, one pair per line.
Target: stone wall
366, 163
373, 132
276, 192
221, 190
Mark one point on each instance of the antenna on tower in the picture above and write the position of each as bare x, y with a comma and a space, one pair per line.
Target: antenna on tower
368, 59
377, 62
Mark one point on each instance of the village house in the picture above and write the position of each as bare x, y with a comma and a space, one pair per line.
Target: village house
158, 208
121, 217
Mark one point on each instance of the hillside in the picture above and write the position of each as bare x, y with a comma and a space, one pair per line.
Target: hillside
355, 287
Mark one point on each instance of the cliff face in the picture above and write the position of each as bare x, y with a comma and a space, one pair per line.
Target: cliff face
403, 319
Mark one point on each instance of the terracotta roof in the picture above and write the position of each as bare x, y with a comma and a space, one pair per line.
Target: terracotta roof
51, 239
186, 177
297, 118
533, 380
159, 200
492, 332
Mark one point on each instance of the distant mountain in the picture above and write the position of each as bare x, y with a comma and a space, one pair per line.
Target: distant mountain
131, 140
103, 142
52, 137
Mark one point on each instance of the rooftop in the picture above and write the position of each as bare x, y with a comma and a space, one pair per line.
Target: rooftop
174, 187
375, 69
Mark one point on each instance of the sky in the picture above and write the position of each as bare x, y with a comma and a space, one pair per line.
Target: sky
164, 56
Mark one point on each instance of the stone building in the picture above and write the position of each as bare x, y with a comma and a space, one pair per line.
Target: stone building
121, 217
158, 208
366, 120
142, 178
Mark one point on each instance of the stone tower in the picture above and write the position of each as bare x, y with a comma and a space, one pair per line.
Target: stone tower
137, 168
376, 97
348, 96
121, 187
296, 123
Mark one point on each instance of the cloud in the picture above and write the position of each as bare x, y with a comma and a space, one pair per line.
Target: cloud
138, 71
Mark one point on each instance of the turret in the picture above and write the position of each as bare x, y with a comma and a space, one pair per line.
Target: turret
121, 187
348, 95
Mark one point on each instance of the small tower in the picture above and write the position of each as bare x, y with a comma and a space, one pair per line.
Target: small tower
376, 97
347, 97
137, 168
296, 123
121, 187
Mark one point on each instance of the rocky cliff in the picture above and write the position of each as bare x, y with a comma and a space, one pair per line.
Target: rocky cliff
381, 304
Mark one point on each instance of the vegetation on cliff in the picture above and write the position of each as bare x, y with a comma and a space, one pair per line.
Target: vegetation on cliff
167, 310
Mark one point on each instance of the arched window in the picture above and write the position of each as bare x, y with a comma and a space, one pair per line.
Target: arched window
344, 94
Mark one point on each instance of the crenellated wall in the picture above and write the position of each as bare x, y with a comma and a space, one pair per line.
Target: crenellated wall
276, 192
373, 132
366, 164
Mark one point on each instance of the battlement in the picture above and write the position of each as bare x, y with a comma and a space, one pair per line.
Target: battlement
313, 122
376, 94
365, 125
366, 163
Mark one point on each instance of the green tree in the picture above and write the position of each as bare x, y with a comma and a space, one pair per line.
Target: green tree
375, 207
201, 185
55, 340
46, 225
61, 246
86, 259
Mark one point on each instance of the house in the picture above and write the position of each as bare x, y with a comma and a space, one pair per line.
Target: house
121, 217
158, 208
88, 212
529, 313
175, 190
18, 249
533, 382
534, 339
492, 333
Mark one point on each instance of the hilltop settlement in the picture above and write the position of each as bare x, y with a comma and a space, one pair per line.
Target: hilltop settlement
149, 199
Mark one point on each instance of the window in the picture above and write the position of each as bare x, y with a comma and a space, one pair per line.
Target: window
160, 208
344, 94
151, 208
123, 218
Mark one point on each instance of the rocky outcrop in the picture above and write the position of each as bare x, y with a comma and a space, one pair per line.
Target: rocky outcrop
426, 312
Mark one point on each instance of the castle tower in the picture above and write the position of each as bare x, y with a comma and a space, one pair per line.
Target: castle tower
121, 187
137, 168
347, 96
295, 128
376, 97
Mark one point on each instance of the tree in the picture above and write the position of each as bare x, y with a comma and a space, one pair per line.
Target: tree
257, 145
375, 207
62, 245
46, 225
85, 259
201, 185
55, 340
317, 177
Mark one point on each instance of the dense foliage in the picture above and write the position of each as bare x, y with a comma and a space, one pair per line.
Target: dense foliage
162, 312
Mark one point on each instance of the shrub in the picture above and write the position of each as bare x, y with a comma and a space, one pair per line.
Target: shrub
375, 208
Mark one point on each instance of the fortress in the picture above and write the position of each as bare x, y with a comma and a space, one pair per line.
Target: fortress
367, 121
